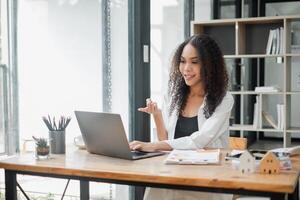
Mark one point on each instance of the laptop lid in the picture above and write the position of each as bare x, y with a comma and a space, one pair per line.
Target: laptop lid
104, 133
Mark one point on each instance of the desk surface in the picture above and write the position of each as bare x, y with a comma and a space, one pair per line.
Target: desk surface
153, 170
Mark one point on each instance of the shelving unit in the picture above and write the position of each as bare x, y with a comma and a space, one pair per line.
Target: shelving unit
245, 38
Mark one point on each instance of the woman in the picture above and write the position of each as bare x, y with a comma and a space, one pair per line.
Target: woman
197, 109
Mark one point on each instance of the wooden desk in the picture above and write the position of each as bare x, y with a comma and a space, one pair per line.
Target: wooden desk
152, 172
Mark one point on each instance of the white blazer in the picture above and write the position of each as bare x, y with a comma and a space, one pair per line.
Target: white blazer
213, 132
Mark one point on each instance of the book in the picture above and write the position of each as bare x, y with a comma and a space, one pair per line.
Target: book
256, 114
277, 41
269, 119
266, 89
269, 44
273, 49
193, 157
280, 116
281, 40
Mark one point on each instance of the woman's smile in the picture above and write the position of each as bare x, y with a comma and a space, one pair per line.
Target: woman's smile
189, 77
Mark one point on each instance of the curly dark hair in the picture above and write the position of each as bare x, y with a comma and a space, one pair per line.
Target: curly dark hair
213, 75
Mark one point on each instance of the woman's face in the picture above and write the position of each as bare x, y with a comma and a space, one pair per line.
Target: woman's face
190, 66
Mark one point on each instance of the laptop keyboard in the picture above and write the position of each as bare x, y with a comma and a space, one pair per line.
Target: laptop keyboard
138, 153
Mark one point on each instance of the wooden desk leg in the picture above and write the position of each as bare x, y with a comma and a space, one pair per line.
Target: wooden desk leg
10, 185
84, 190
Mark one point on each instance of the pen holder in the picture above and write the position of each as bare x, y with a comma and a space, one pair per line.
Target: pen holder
57, 142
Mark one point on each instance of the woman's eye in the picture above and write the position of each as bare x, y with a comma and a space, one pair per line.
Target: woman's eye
195, 62
182, 61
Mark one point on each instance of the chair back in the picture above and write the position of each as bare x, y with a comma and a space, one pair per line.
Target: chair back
237, 143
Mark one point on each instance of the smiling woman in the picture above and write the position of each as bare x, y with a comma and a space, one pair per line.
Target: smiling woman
196, 109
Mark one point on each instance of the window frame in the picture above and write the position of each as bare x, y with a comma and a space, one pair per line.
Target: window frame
10, 80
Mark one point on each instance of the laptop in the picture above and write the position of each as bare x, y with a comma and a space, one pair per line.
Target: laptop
103, 133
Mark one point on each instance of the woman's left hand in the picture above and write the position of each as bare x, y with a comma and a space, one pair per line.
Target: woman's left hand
142, 146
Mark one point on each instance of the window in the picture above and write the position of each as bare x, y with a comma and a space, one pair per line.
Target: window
167, 31
8, 80
59, 58
60, 67
2, 108
3, 78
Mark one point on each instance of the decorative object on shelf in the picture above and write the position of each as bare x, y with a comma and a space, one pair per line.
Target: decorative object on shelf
269, 164
247, 162
57, 134
42, 148
269, 119
266, 89
256, 114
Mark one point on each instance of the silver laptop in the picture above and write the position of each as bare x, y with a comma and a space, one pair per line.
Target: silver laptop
103, 133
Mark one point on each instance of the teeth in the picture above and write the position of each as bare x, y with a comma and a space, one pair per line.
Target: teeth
189, 76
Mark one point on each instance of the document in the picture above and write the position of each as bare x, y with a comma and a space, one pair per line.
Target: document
194, 157
291, 151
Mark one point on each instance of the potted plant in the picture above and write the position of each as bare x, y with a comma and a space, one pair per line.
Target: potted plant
42, 147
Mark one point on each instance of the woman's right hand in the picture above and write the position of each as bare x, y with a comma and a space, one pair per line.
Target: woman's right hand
151, 107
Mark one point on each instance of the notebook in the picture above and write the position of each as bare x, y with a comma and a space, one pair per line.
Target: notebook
194, 157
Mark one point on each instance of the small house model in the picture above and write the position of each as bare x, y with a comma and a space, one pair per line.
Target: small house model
269, 164
247, 162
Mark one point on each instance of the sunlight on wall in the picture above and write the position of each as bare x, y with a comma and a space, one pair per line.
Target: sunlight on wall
59, 62
166, 33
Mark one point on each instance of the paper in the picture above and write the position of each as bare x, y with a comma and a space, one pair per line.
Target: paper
289, 151
195, 157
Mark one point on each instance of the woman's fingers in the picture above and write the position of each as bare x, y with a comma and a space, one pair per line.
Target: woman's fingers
143, 109
137, 147
142, 146
134, 145
151, 107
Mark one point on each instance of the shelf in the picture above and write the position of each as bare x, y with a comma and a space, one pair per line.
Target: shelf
293, 130
240, 127
250, 20
292, 93
250, 128
254, 93
293, 54
256, 56
261, 55
247, 39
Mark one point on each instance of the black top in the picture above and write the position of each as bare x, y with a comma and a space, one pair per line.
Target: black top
185, 126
